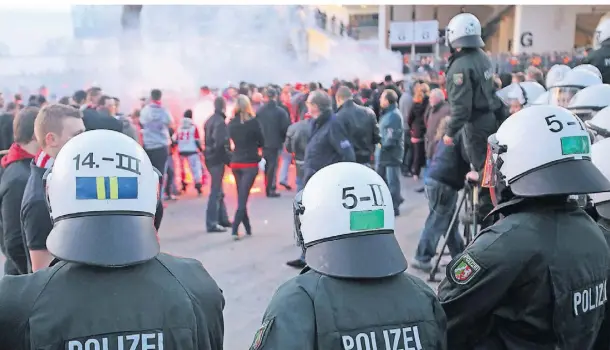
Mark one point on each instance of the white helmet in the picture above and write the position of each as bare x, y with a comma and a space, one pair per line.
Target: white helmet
464, 30
590, 100
602, 32
599, 156
524, 93
541, 151
543, 99
574, 81
102, 193
556, 74
589, 68
344, 219
599, 125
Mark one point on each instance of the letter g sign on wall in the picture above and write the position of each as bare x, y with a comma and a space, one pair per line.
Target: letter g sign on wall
527, 39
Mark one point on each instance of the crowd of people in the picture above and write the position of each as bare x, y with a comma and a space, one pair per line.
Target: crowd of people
82, 188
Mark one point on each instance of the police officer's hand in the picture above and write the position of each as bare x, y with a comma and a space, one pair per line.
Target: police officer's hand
448, 140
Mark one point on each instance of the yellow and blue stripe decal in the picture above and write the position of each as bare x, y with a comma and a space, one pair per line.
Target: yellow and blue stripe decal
106, 187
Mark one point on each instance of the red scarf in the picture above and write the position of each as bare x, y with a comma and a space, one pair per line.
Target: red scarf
15, 153
43, 160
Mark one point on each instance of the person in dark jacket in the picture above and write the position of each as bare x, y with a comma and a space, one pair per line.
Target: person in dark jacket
247, 135
392, 149
445, 178
600, 57
216, 158
274, 122
297, 137
359, 123
54, 126
329, 142
93, 119
417, 126
15, 174
6, 125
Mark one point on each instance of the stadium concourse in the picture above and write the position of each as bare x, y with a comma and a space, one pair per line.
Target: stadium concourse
249, 271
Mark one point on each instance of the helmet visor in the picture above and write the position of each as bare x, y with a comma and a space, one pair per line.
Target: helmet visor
562, 95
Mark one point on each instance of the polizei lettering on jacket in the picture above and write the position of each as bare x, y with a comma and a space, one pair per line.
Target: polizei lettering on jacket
406, 338
138, 341
589, 299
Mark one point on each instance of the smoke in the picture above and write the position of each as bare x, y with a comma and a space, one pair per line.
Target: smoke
180, 48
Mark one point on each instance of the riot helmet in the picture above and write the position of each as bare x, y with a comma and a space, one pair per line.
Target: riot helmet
589, 68
102, 193
556, 74
541, 151
575, 80
588, 101
599, 156
520, 95
543, 99
599, 125
344, 221
602, 32
464, 31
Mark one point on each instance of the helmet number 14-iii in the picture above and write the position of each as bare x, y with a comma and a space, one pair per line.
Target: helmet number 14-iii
351, 201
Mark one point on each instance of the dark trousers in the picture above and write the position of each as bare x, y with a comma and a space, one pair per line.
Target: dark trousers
216, 212
419, 157
442, 203
391, 175
244, 180
158, 158
271, 156
407, 159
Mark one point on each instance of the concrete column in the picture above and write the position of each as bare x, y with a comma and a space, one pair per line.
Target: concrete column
540, 28
382, 29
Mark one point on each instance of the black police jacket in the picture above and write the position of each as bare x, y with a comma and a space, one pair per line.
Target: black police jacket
603, 337
361, 127
328, 144
274, 122
471, 95
314, 311
216, 140
167, 302
536, 279
12, 186
600, 58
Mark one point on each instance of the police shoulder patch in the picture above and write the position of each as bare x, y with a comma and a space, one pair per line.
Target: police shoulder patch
464, 269
261, 334
458, 78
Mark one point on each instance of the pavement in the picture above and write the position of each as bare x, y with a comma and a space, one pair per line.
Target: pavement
250, 270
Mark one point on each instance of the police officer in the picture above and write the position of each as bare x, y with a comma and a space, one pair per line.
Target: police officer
556, 74
354, 293
562, 92
536, 278
520, 95
470, 87
590, 100
589, 68
110, 288
599, 156
600, 58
